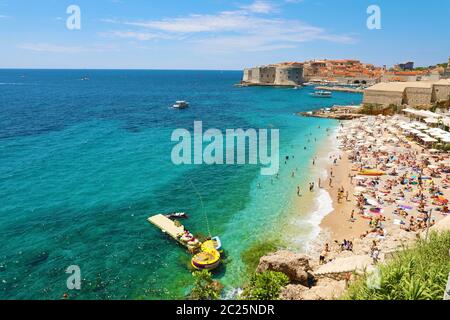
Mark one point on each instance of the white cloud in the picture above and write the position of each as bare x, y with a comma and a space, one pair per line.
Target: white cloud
224, 21
141, 36
293, 1
232, 30
259, 7
55, 48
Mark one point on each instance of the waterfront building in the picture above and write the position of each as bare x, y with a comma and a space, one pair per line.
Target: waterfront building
282, 74
413, 93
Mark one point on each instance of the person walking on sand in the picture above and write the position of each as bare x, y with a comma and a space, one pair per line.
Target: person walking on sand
331, 182
346, 195
324, 254
320, 183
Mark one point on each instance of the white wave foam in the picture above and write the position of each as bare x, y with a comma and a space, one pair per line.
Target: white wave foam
324, 206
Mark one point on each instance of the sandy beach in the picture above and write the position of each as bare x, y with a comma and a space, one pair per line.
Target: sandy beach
338, 222
408, 191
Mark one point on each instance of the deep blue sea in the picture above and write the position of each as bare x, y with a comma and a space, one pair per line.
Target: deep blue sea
83, 164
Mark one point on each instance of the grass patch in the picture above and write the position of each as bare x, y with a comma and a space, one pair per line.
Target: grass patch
258, 249
419, 273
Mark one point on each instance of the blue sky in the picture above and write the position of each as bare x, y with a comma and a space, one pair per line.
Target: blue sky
219, 34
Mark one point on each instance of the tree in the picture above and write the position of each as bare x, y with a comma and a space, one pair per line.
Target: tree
205, 288
265, 286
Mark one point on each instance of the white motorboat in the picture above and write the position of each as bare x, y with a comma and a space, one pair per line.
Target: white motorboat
177, 215
217, 243
181, 104
321, 94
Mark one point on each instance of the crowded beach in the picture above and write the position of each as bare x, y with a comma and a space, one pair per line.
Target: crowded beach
388, 186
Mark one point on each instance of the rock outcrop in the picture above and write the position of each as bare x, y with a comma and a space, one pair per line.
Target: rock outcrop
325, 289
295, 266
442, 226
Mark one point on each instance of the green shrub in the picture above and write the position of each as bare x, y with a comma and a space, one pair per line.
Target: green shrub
205, 288
265, 286
419, 273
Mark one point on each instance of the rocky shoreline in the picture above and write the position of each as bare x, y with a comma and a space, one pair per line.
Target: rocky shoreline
310, 280
335, 112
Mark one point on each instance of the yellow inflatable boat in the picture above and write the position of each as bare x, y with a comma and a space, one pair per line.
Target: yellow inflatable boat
208, 258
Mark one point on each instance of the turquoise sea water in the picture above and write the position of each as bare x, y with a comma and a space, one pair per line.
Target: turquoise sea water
83, 164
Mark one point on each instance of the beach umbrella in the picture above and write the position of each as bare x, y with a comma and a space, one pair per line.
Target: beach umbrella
431, 120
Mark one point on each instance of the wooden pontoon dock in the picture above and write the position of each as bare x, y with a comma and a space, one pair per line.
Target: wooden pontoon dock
168, 226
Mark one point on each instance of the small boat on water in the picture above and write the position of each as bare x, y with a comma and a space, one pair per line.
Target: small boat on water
217, 243
181, 104
177, 215
321, 94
